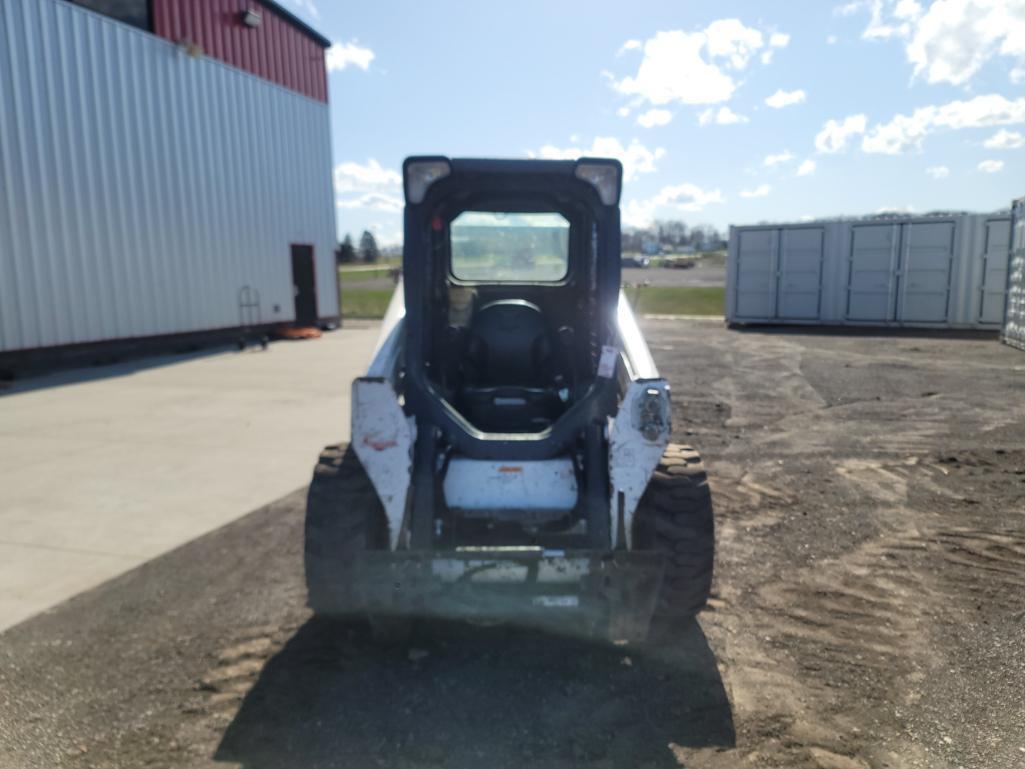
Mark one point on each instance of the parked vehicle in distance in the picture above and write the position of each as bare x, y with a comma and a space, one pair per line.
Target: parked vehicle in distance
679, 263
636, 261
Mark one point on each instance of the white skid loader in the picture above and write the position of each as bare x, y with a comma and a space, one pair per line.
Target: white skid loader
510, 455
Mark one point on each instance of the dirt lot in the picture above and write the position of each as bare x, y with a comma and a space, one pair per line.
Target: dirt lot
869, 609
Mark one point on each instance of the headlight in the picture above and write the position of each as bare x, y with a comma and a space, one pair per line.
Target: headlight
421, 174
603, 176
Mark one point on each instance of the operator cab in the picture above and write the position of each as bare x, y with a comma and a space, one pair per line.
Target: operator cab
511, 355
517, 280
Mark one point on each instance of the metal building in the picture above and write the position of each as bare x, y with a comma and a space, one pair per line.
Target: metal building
1014, 317
165, 169
931, 271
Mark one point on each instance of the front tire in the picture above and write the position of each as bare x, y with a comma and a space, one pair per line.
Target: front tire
674, 518
344, 518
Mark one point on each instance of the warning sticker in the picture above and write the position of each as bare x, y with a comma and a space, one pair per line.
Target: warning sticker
607, 364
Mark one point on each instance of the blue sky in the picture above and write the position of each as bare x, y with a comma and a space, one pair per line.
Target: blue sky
723, 113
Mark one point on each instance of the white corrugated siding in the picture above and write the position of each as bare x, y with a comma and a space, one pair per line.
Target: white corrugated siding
142, 188
943, 271
1014, 322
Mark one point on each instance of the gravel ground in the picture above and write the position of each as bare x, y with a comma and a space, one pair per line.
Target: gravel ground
869, 605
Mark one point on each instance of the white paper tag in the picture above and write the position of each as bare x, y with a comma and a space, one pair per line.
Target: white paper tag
607, 364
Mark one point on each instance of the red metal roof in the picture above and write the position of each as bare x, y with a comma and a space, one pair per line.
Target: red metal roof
281, 49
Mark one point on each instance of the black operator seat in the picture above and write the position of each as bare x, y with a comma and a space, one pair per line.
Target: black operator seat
510, 369
509, 345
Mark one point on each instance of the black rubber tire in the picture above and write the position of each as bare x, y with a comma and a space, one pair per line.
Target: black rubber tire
344, 517
674, 517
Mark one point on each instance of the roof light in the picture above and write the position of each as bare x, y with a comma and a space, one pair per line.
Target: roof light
603, 175
422, 174
251, 18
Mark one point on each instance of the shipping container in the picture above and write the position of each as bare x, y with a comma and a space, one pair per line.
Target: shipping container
1014, 316
942, 271
148, 191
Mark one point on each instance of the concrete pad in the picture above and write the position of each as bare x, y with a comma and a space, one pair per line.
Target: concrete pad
104, 468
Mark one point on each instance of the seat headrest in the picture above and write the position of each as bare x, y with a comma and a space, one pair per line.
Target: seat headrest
510, 344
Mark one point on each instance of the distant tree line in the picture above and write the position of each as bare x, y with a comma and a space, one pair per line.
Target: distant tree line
671, 235
665, 235
368, 252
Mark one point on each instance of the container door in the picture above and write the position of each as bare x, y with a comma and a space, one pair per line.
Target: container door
872, 277
994, 271
304, 285
800, 273
925, 273
756, 273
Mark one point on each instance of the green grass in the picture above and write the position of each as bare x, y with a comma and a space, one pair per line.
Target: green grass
654, 300
365, 302
678, 300
357, 276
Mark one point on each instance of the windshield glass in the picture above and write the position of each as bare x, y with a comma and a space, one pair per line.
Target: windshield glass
494, 246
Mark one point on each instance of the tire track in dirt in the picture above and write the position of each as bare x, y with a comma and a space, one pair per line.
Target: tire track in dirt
831, 663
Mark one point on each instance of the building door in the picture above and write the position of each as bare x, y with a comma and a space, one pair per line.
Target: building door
304, 285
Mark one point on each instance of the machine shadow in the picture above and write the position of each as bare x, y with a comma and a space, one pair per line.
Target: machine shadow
458, 695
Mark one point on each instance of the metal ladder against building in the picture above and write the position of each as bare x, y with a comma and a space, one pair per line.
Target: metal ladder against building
249, 318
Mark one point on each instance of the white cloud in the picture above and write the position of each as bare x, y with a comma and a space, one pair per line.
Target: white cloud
955, 38
951, 40
907, 131
371, 177
783, 98
896, 210
884, 22
806, 168
367, 186
623, 111
1017, 75
836, 135
654, 117
782, 157
938, 172
991, 166
730, 39
849, 9
831, 39
341, 55
674, 69
363, 188
694, 67
899, 134
776, 40
374, 201
758, 192
629, 45
1005, 140
635, 157
722, 116
686, 197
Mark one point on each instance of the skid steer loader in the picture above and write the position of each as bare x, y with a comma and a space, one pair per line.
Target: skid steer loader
510, 455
